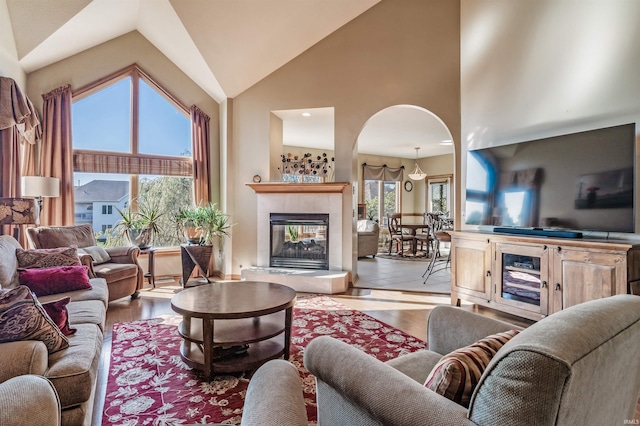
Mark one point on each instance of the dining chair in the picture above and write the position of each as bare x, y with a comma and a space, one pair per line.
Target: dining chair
438, 230
395, 231
424, 238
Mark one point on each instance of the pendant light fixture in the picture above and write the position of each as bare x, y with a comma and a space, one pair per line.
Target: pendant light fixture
417, 174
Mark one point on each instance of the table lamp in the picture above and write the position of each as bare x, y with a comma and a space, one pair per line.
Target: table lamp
17, 211
39, 187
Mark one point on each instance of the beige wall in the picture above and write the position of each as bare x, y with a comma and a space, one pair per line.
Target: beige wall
537, 69
9, 65
398, 52
114, 55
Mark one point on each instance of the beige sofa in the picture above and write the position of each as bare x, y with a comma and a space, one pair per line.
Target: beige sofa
368, 233
576, 367
73, 371
122, 272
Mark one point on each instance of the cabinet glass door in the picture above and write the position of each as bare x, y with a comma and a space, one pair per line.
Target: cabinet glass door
522, 277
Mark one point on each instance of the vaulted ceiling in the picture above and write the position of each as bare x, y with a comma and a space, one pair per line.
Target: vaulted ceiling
224, 46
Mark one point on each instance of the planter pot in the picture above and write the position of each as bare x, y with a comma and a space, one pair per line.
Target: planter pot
140, 237
192, 234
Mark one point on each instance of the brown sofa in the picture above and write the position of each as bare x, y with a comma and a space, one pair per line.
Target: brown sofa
122, 272
72, 371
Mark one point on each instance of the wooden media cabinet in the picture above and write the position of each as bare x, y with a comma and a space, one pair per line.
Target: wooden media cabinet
533, 276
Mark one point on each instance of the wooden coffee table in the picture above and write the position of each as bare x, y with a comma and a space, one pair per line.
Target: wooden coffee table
228, 314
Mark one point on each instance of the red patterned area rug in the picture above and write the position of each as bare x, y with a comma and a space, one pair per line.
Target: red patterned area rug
149, 384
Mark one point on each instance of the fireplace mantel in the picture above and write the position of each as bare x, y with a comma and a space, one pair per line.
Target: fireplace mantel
288, 187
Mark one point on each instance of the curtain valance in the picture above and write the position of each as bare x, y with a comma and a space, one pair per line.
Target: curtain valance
101, 162
384, 173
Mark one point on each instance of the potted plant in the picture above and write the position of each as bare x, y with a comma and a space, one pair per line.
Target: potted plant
139, 226
203, 223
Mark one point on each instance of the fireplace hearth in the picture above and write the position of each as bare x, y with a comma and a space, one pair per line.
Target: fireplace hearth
299, 240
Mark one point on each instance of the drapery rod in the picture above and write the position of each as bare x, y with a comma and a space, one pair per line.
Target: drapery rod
384, 165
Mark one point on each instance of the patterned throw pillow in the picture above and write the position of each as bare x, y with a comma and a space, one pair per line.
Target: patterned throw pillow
57, 311
47, 258
456, 375
22, 317
46, 281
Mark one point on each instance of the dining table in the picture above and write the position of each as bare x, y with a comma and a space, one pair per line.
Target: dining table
413, 229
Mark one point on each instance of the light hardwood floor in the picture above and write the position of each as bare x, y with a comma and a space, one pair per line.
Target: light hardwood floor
407, 311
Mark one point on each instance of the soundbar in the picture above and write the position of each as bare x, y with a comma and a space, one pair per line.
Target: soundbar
539, 232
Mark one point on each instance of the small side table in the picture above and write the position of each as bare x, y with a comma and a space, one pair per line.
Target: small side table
150, 275
193, 255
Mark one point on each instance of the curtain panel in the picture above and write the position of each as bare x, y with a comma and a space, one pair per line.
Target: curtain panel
19, 130
383, 173
201, 154
57, 155
101, 162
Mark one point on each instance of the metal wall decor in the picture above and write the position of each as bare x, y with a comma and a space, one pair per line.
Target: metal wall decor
307, 165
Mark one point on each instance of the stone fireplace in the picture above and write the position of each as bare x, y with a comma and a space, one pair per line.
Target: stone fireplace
313, 202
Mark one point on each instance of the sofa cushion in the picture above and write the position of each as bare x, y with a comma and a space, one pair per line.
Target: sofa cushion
87, 312
47, 258
73, 371
55, 280
97, 253
116, 271
98, 291
456, 375
22, 317
57, 311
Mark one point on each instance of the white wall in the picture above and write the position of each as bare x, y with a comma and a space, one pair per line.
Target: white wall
536, 69
9, 65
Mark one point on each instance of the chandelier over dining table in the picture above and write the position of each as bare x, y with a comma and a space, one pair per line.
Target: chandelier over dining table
417, 173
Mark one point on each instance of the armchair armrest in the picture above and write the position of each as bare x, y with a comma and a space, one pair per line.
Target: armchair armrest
29, 400
87, 260
355, 388
124, 254
450, 328
23, 357
274, 397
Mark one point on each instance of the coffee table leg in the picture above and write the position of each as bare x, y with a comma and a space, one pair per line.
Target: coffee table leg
207, 342
287, 331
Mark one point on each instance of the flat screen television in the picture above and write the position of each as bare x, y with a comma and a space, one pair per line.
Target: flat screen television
581, 181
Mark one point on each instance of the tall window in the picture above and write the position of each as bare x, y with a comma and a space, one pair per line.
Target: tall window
438, 194
132, 145
381, 198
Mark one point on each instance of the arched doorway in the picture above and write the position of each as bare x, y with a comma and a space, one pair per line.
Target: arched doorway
390, 138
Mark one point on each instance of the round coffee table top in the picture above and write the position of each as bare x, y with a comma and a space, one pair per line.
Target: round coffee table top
233, 299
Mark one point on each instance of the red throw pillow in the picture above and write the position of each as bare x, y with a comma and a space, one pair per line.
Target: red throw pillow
57, 310
55, 280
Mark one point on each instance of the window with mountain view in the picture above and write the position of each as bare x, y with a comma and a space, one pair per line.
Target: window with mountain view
132, 147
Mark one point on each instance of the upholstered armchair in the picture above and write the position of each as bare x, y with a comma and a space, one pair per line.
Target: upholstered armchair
119, 266
368, 234
29, 400
578, 366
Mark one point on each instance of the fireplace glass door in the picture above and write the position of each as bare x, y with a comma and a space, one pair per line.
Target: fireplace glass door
299, 241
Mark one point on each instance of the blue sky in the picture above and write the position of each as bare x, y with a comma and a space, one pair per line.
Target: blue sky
102, 122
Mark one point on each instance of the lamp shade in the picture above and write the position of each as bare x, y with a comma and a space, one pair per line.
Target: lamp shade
15, 211
40, 186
